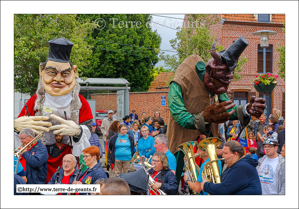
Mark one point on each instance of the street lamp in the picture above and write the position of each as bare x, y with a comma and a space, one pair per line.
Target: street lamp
264, 34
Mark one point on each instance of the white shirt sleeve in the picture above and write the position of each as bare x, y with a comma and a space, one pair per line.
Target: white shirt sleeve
83, 143
104, 132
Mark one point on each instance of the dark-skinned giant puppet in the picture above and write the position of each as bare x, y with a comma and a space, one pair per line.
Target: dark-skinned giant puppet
198, 101
57, 94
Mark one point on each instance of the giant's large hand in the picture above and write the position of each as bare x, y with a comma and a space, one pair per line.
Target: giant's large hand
216, 113
256, 106
67, 127
35, 123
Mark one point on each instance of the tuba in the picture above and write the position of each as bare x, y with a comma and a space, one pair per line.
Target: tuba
211, 171
188, 149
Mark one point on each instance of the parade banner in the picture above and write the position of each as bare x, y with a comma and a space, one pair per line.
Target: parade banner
243, 139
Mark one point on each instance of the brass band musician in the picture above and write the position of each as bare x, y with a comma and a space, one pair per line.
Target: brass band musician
240, 176
164, 178
197, 185
34, 159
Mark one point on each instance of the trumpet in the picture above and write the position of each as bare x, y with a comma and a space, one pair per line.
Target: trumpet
21, 148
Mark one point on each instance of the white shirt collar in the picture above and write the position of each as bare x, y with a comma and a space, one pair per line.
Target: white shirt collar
59, 101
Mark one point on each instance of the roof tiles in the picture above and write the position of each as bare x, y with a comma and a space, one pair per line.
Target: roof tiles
276, 18
239, 17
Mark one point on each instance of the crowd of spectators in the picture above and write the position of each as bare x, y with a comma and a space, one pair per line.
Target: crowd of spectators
265, 152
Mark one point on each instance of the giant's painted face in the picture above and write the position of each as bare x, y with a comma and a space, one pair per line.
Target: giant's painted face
217, 77
58, 78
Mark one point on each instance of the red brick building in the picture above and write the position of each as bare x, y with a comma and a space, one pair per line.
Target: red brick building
148, 102
231, 27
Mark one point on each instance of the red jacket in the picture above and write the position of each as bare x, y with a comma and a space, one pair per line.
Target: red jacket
84, 113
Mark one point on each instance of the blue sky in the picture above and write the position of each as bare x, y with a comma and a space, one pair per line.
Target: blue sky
163, 23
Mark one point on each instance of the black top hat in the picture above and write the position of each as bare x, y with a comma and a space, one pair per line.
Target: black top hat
231, 55
60, 50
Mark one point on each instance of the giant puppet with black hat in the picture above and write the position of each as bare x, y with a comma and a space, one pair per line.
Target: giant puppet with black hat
57, 107
198, 101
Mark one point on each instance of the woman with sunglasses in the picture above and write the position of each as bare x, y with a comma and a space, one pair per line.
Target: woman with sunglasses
164, 178
91, 155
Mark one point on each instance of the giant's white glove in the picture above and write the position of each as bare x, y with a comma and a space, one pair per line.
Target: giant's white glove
33, 122
67, 127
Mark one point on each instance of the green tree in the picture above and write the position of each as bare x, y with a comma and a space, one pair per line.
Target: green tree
171, 62
281, 62
238, 69
196, 38
31, 35
157, 70
125, 47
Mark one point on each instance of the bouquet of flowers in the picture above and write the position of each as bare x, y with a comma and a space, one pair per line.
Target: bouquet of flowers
265, 79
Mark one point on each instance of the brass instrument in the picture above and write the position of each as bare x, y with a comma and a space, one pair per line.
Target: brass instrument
135, 158
20, 149
147, 164
211, 170
188, 149
152, 181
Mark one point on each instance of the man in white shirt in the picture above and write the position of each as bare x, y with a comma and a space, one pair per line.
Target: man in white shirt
106, 125
271, 169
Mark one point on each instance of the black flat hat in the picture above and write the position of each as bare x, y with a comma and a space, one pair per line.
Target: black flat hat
231, 55
60, 50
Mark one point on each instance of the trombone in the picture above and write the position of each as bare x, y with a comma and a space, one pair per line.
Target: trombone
152, 181
20, 149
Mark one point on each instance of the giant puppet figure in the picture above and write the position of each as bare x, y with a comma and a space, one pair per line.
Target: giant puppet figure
198, 101
58, 94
